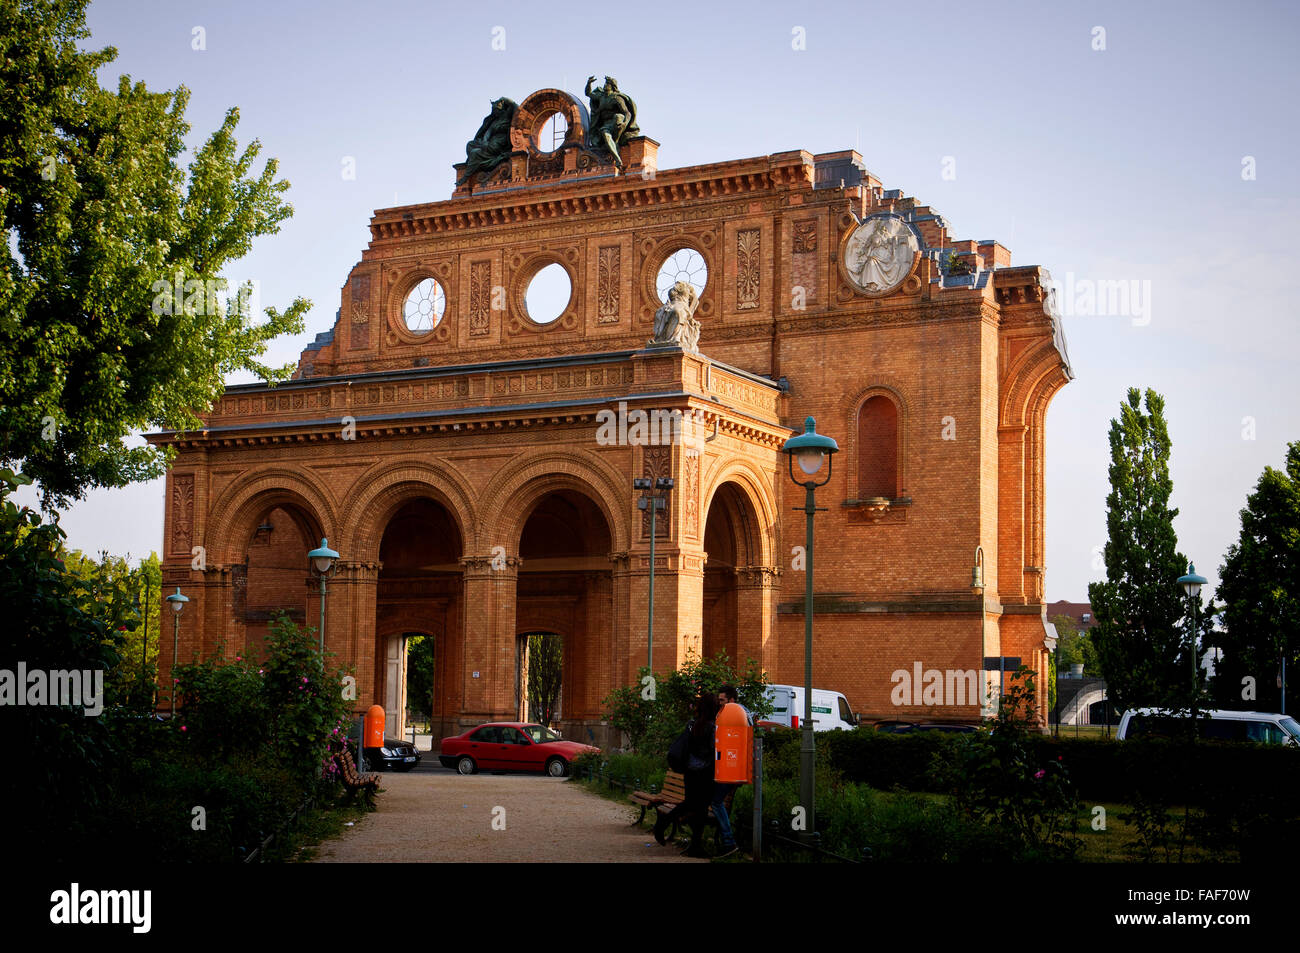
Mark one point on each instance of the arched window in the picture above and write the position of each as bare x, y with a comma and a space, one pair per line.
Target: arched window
878, 449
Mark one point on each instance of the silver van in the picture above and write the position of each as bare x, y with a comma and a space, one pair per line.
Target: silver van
1214, 724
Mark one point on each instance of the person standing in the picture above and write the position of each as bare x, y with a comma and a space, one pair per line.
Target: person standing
698, 778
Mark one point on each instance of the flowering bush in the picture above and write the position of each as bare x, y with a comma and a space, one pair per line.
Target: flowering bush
997, 777
285, 708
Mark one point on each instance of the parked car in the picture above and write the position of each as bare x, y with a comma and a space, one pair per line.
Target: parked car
948, 727
510, 746
894, 727
396, 755
1212, 725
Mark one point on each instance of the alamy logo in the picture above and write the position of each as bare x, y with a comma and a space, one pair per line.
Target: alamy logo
103, 906
72, 689
1107, 297
649, 428
934, 687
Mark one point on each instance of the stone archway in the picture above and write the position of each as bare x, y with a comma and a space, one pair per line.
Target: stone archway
564, 586
419, 589
273, 577
738, 581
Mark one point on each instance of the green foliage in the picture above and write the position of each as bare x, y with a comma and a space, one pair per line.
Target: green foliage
1074, 646
419, 674
132, 680
53, 622
545, 675
1142, 646
1260, 588
998, 778
651, 723
955, 265
103, 218
287, 707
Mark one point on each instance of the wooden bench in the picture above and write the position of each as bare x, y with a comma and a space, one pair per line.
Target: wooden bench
353, 782
668, 797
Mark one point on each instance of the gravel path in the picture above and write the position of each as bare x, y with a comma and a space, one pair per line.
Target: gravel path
432, 815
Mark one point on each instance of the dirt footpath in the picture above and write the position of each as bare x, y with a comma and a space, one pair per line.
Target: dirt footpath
443, 817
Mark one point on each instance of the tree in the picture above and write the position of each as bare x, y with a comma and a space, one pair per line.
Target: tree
1260, 587
1139, 636
54, 622
133, 679
1074, 646
545, 675
112, 318
419, 674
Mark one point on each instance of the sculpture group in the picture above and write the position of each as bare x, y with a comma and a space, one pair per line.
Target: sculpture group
612, 123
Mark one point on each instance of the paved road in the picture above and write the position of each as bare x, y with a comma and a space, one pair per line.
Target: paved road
434, 815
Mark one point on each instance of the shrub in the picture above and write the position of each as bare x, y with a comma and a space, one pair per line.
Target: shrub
655, 710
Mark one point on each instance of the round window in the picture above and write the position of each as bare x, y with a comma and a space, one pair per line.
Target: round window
550, 135
424, 307
548, 294
683, 264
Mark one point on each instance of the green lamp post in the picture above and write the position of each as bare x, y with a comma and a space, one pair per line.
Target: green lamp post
323, 561
177, 601
1191, 584
809, 451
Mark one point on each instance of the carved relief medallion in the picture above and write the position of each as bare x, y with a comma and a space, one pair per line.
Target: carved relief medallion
879, 254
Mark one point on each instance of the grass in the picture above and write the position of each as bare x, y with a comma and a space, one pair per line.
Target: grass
300, 842
1120, 842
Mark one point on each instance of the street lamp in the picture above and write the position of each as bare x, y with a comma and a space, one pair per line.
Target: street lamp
657, 500
323, 560
177, 601
1191, 584
809, 450
977, 585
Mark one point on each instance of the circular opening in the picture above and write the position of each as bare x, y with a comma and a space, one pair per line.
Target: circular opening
548, 294
683, 264
552, 132
424, 307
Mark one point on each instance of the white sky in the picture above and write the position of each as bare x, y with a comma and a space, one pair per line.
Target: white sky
1124, 163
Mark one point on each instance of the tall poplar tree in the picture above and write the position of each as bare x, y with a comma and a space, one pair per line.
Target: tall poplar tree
1260, 587
1140, 635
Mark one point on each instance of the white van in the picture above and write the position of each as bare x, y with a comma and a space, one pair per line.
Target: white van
1213, 725
830, 709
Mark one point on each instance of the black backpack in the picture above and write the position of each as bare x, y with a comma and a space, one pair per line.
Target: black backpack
679, 754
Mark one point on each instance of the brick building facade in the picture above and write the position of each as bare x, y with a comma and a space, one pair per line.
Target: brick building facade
458, 452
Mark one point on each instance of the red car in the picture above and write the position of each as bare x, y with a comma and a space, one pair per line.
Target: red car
510, 746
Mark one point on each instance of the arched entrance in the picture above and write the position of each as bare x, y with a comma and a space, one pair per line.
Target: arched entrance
733, 581
274, 576
420, 592
565, 589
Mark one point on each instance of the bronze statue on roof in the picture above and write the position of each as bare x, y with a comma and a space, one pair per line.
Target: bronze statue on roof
613, 117
491, 144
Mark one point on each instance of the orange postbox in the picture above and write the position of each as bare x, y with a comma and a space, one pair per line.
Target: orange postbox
375, 727
734, 746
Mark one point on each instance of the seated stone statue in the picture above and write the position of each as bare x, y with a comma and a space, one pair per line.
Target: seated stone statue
675, 322
491, 144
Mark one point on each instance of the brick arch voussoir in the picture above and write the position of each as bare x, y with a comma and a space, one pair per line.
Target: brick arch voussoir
244, 501
758, 493
1036, 373
508, 500
387, 487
